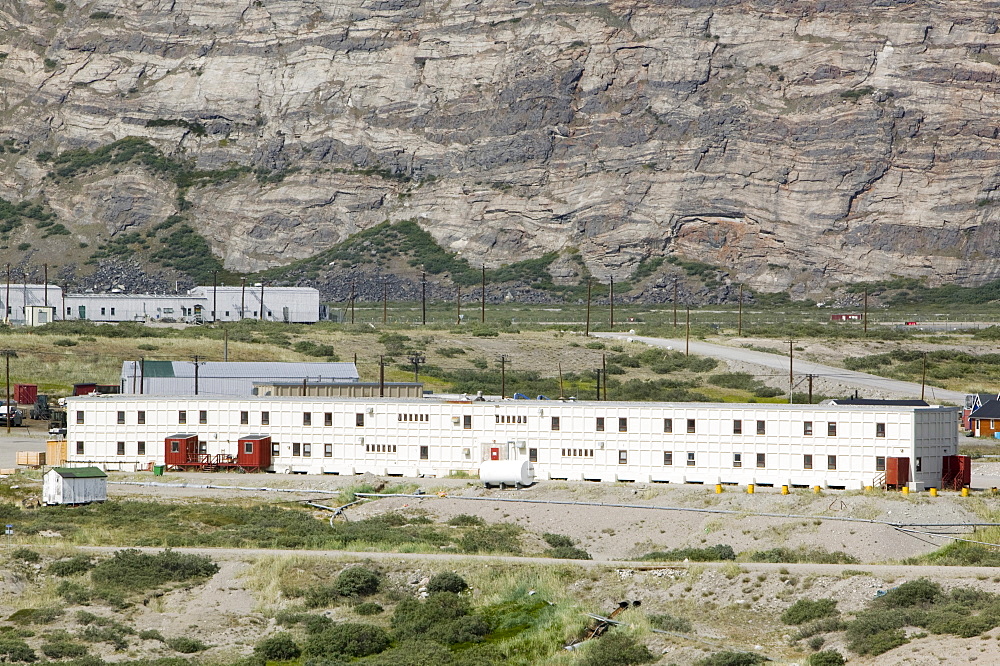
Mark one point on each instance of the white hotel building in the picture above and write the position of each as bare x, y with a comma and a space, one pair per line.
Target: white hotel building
766, 444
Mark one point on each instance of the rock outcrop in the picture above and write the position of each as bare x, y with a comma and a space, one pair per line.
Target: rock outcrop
798, 143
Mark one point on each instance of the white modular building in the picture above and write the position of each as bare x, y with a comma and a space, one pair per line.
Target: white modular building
22, 301
765, 444
74, 485
227, 378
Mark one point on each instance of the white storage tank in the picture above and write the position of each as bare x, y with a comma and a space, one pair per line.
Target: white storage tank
517, 473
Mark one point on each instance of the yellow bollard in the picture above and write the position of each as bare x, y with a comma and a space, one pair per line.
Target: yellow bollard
816, 489
718, 489
750, 489
933, 492
906, 490
965, 492
868, 489
784, 490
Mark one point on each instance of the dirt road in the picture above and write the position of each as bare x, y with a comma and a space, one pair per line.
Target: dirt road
882, 385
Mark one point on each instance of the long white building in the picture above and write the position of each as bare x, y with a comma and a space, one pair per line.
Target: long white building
798, 445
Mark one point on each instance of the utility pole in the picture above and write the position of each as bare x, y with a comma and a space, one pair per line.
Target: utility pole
262, 301
225, 344
687, 335
142, 375
381, 376
790, 374
923, 377
352, 300
417, 359
7, 354
811, 388
864, 316
196, 364
586, 330
675, 302
739, 330
504, 359
6, 305
423, 298
598, 373
385, 300
562, 393
243, 296
482, 314
45, 279
612, 301
458, 304
215, 295
604, 371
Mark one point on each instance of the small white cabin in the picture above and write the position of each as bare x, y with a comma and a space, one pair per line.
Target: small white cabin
74, 485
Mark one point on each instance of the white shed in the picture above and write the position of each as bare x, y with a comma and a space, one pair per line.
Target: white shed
74, 485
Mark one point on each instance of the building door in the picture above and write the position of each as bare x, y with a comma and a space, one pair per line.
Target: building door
284, 314
83, 312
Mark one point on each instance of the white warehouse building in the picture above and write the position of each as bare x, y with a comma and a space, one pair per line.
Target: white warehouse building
766, 444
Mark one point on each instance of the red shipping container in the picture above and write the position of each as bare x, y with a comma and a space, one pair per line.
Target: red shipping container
25, 394
897, 471
254, 452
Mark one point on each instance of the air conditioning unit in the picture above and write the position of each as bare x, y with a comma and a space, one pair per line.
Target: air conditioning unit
467, 453
455, 420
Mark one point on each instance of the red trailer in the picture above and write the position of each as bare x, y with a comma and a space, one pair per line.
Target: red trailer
181, 450
254, 453
957, 472
87, 389
25, 394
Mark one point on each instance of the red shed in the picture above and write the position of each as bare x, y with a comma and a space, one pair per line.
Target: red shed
254, 453
25, 394
181, 450
957, 473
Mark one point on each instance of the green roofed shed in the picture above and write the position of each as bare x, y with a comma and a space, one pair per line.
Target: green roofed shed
74, 485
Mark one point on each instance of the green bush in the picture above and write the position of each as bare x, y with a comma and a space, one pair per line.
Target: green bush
414, 653
12, 649
321, 596
915, 593
815, 555
498, 538
357, 582
822, 626
186, 645
826, 658
558, 540
152, 635
616, 648
447, 581
465, 520
43, 615
347, 639
444, 617
64, 342
368, 608
806, 610
136, 570
731, 658
60, 646
25, 555
671, 623
70, 567
568, 553
280, 647
709, 554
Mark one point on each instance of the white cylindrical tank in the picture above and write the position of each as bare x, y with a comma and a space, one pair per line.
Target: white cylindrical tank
515, 473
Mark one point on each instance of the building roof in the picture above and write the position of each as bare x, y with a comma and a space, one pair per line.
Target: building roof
989, 410
872, 401
80, 472
261, 371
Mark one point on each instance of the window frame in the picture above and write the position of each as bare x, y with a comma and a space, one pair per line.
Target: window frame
692, 426
807, 461
668, 426
831, 463
761, 427
761, 461
599, 424
807, 428
737, 460
691, 460
737, 426
880, 430
555, 423
622, 457
668, 458
831, 428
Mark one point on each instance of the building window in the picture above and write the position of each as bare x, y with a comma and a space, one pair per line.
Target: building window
668, 425
917, 464
359, 419
140, 448
112, 312
202, 416
737, 427
265, 418
244, 418
600, 424
807, 461
761, 427
424, 453
328, 450
296, 449
328, 419
182, 416
141, 418
175, 446
275, 449
103, 311
831, 429
623, 425
121, 417
690, 458
668, 458
307, 418
737, 460
467, 421
307, 450
879, 463
761, 460
623, 457
831, 462
555, 423
880, 430
79, 448
690, 425
807, 428
533, 455
79, 418
121, 448
248, 448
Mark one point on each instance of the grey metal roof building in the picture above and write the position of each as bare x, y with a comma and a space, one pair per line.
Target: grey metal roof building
225, 378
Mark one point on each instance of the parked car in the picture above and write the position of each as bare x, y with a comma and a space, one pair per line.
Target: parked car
12, 414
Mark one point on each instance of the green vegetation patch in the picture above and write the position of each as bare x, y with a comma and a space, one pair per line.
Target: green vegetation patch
716, 553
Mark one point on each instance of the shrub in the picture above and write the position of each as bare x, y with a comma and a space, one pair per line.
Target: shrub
499, 538
447, 581
25, 555
280, 647
805, 610
557, 540
321, 596
616, 649
64, 342
368, 608
670, 623
920, 592
731, 658
60, 646
826, 658
152, 635
568, 553
138, 571
443, 617
709, 554
186, 645
43, 615
72, 566
816, 555
465, 520
347, 639
357, 582
822, 626
13, 649
413, 653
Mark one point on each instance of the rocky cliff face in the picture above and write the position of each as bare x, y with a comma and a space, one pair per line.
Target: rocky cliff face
798, 143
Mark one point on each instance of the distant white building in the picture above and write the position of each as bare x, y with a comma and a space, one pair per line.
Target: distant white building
20, 298
215, 378
74, 485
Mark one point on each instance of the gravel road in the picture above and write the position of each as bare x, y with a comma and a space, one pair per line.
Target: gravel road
776, 362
